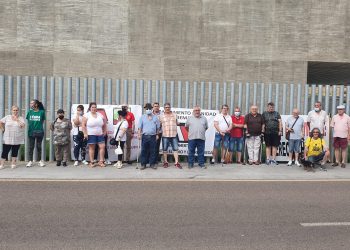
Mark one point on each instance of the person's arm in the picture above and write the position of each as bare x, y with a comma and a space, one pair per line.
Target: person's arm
216, 126
280, 127
76, 119
69, 125
83, 125
140, 129
104, 127
52, 126
206, 123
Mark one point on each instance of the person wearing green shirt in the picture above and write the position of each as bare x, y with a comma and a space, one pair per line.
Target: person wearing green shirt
36, 118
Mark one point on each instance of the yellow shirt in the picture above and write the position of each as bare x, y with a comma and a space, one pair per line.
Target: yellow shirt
315, 146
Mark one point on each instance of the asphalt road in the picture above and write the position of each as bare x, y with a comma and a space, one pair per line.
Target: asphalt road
173, 215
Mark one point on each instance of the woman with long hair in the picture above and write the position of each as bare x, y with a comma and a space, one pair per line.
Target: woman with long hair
120, 130
94, 128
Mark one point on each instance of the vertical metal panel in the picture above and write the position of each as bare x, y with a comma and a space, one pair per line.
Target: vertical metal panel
172, 93
179, 94
102, 91
142, 91
202, 94
291, 100
255, 92
320, 93
298, 96
158, 91
269, 99
306, 100
69, 96
277, 95
133, 92
187, 95
2, 104
217, 96
93, 90
326, 106
224, 95
341, 96
334, 100
36, 88
262, 97
27, 102
60, 92
348, 99
313, 94
149, 90
126, 92
77, 90
195, 90
164, 92
86, 91
284, 98
210, 90
44, 100
19, 94
52, 114
9, 94
240, 93
117, 91
232, 101
110, 93
247, 97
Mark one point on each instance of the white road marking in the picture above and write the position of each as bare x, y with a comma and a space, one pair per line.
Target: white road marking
325, 224
164, 180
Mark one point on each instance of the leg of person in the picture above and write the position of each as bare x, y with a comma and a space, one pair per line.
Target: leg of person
5, 151
290, 151
297, 151
144, 151
102, 148
225, 146
337, 156
257, 143
250, 148
344, 157
165, 141
175, 147
14, 154
76, 149
158, 146
200, 152
97, 149
217, 144
119, 163
268, 150
106, 158
191, 151
239, 148
83, 151
230, 150
92, 148
39, 149
58, 154
152, 151
65, 154
129, 136
31, 150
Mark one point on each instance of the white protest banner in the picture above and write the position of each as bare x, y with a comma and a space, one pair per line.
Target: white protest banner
110, 113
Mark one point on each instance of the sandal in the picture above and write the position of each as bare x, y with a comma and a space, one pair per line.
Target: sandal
101, 164
91, 165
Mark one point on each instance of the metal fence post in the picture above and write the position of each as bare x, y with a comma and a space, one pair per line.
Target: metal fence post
27, 103
195, 88
202, 94
172, 93
117, 91
93, 89
291, 100
247, 97
77, 90
69, 97
142, 91
164, 92
52, 115
158, 91
44, 101
102, 91
187, 95
109, 89
60, 93
179, 94
133, 92
126, 91
10, 94
217, 96
277, 96
149, 90
232, 101
86, 91
210, 90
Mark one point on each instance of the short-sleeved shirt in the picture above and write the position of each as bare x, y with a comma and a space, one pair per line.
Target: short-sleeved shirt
61, 131
315, 147
169, 124
271, 121
75, 127
129, 118
237, 132
14, 134
317, 119
254, 124
341, 125
149, 126
297, 128
35, 121
94, 124
123, 125
196, 127
158, 114
224, 122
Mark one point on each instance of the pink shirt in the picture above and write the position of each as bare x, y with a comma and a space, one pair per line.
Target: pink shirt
341, 125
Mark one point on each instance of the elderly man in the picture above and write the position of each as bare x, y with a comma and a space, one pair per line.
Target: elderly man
157, 112
341, 133
273, 132
295, 128
254, 124
196, 126
317, 118
148, 132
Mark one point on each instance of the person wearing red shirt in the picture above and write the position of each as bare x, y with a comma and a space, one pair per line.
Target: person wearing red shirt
130, 118
236, 136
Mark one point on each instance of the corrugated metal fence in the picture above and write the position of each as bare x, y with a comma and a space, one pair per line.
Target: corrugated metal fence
61, 92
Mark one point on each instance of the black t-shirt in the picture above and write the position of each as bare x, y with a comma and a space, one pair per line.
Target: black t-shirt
271, 122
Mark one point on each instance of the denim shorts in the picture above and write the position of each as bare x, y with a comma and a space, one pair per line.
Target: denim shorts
224, 139
316, 158
294, 146
95, 139
236, 144
166, 141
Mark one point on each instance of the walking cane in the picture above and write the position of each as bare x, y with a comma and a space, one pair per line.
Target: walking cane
245, 150
261, 147
138, 152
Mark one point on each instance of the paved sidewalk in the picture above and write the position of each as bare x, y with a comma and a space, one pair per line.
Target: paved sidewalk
213, 172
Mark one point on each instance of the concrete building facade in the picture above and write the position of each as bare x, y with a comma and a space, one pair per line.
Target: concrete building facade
247, 40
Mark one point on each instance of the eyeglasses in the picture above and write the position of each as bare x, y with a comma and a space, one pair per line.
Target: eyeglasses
316, 132
196, 110
167, 107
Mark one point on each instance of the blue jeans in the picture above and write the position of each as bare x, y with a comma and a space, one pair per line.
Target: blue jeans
224, 139
79, 146
148, 149
236, 144
192, 145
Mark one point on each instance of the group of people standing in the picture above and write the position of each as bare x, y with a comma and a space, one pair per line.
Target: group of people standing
233, 134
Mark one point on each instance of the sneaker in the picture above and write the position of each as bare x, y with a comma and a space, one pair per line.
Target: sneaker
76, 163
290, 163
202, 166
335, 164
153, 166
268, 162
178, 165
274, 162
64, 164
297, 163
130, 162
343, 165
143, 167
212, 161
41, 164
29, 164
85, 162
58, 163
2, 166
165, 165
108, 162
13, 166
190, 166
119, 164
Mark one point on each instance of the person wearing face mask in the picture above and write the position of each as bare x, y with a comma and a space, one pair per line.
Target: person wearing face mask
80, 143
317, 118
236, 136
61, 128
148, 133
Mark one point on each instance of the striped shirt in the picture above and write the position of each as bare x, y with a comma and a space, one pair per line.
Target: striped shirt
169, 124
14, 134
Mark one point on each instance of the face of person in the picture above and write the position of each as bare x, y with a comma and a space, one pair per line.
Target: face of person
196, 112
316, 133
32, 104
60, 115
224, 110
15, 111
295, 113
270, 108
317, 107
237, 112
80, 111
254, 110
341, 111
125, 108
167, 109
93, 109
156, 108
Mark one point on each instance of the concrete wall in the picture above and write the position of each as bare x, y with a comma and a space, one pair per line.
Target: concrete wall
250, 40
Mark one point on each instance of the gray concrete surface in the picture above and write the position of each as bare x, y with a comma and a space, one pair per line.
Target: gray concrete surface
249, 40
217, 172
173, 215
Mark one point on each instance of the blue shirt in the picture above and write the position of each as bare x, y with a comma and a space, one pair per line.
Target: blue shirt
149, 126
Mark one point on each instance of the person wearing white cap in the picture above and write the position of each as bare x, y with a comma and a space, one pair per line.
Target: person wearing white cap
341, 136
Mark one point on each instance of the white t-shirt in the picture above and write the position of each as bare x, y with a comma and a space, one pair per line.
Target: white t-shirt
123, 125
94, 125
75, 127
317, 120
222, 123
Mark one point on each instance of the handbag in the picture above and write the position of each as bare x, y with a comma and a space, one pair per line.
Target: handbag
113, 141
80, 135
288, 132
